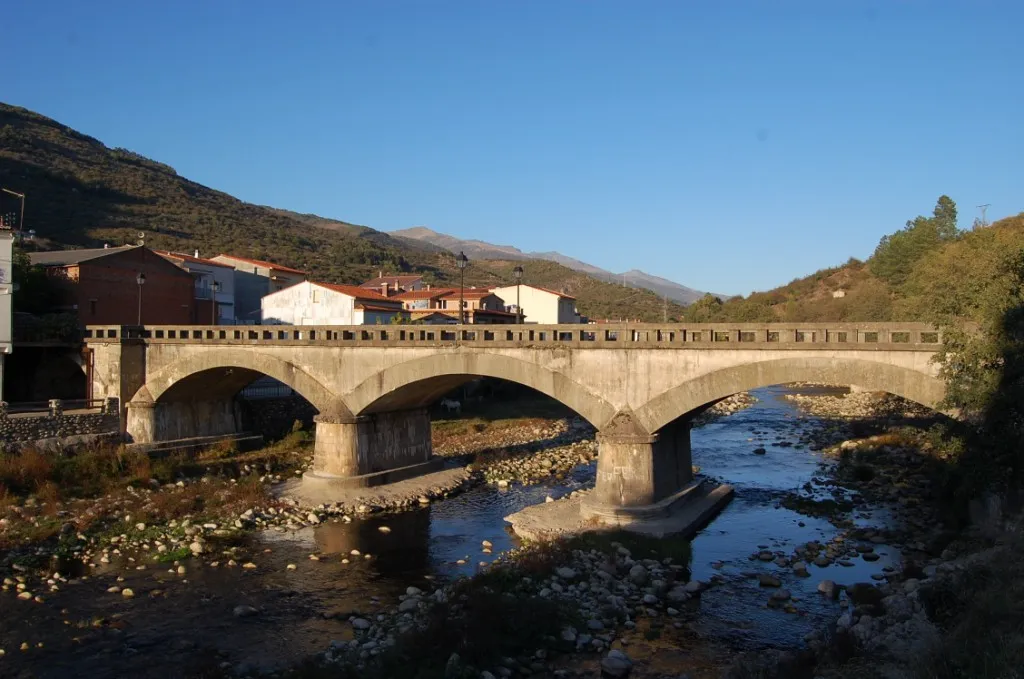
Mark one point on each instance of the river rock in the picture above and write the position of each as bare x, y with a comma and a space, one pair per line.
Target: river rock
828, 588
759, 451
616, 665
638, 575
361, 624
565, 573
767, 580
244, 611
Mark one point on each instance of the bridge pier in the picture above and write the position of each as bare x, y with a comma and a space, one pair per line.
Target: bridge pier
369, 450
640, 475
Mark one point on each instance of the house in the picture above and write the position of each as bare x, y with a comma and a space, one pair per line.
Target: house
441, 306
6, 298
540, 305
311, 303
254, 279
393, 285
214, 287
120, 286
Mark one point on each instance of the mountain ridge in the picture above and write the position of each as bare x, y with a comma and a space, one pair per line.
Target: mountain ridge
478, 249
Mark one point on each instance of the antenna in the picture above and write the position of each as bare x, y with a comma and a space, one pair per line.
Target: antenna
983, 208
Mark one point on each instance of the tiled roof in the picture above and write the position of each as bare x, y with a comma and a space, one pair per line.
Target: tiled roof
356, 292
260, 262
372, 307
189, 258
537, 287
422, 294
68, 257
469, 293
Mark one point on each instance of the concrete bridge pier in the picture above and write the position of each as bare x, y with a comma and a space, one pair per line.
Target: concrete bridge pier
369, 450
640, 475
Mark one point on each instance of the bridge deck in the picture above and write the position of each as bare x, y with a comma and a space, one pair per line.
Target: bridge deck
780, 336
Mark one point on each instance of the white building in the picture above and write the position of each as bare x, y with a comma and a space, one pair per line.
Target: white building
311, 303
540, 305
6, 299
214, 287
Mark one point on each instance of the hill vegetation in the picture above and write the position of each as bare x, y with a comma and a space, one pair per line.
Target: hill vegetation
83, 194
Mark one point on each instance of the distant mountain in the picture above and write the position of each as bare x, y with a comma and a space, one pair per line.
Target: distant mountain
477, 249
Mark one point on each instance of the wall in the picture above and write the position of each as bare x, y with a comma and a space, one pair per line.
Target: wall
106, 291
395, 439
190, 419
249, 290
296, 306
539, 306
24, 428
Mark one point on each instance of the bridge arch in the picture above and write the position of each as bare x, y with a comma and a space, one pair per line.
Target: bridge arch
911, 384
194, 396
420, 382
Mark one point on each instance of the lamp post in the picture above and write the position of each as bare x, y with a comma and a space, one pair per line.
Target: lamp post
461, 261
21, 219
517, 273
214, 288
140, 280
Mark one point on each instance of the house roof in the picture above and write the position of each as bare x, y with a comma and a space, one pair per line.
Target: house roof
536, 287
390, 280
469, 293
260, 262
167, 254
422, 294
360, 294
375, 307
69, 257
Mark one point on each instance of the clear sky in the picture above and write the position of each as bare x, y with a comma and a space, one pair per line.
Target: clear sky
729, 146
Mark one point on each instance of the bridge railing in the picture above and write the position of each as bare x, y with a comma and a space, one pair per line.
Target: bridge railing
823, 336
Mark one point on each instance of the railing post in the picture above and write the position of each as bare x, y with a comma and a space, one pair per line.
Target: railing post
111, 406
56, 407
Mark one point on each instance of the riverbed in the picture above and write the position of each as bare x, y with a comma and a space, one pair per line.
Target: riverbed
191, 622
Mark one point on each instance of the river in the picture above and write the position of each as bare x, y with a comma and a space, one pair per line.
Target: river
178, 624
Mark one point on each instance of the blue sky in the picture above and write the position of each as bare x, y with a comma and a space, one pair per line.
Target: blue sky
729, 146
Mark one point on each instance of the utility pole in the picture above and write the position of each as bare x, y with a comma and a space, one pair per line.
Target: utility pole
21, 220
983, 208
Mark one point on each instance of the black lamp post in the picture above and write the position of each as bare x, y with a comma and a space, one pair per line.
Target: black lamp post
214, 289
140, 280
461, 261
517, 273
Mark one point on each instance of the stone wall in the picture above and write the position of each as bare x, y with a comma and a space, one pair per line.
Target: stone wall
46, 426
57, 424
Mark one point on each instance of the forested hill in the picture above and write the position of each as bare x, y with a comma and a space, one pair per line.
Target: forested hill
915, 273
81, 193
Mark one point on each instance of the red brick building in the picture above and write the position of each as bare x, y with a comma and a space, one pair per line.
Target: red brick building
101, 285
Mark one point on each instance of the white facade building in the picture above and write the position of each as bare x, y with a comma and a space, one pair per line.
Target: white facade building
6, 299
311, 303
540, 305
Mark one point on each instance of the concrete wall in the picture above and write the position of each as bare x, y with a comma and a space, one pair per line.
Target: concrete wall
44, 426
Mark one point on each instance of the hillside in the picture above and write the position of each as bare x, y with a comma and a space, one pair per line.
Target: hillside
82, 194
912, 275
483, 250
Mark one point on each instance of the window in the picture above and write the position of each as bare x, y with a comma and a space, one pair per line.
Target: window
316, 296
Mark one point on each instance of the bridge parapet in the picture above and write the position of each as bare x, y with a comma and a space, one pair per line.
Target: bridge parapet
780, 336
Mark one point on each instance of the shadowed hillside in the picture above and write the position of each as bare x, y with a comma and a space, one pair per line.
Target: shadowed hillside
82, 194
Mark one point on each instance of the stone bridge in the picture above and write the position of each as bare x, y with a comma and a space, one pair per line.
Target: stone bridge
638, 385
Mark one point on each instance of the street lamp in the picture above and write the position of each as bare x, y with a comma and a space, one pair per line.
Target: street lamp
215, 287
140, 280
461, 261
21, 219
517, 273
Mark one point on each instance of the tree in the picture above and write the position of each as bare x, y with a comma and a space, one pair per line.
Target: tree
897, 253
36, 293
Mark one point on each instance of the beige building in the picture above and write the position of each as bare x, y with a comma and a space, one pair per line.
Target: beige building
393, 285
540, 305
6, 298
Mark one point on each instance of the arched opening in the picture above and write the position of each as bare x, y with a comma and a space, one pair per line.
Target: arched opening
43, 373
216, 396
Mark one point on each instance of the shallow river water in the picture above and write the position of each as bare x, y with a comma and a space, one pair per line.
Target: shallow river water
178, 624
